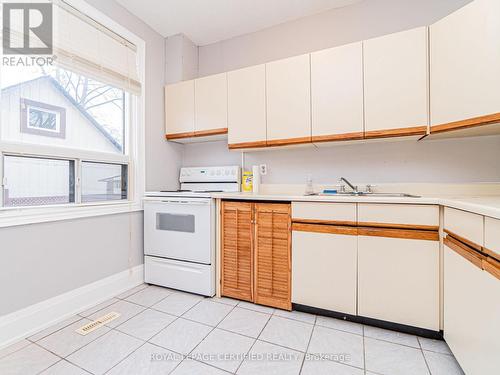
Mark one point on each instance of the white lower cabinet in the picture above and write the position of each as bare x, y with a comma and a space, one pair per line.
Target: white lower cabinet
324, 267
471, 315
398, 280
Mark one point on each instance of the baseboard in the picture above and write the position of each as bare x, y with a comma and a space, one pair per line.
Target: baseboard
26, 322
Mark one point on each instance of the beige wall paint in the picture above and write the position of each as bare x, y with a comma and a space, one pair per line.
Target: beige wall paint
364, 20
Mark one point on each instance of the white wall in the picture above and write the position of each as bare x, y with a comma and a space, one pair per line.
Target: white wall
466, 160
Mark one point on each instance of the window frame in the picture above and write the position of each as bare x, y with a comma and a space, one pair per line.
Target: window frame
133, 156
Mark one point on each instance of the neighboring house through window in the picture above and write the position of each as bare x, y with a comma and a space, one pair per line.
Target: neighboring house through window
42, 119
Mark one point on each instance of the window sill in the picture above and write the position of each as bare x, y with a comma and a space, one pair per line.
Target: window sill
15, 216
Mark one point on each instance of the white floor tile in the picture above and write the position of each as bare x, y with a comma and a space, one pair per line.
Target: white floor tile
67, 340
64, 368
296, 315
438, 346
223, 349
338, 346
149, 296
182, 336
269, 359
288, 333
147, 360
98, 307
225, 300
105, 352
30, 360
129, 292
146, 324
177, 303
342, 325
190, 367
317, 366
256, 307
56, 327
245, 322
442, 364
391, 336
13, 348
387, 358
126, 310
208, 312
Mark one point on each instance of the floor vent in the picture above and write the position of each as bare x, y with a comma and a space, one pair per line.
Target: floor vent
98, 323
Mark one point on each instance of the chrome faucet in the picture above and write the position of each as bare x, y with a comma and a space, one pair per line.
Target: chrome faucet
342, 187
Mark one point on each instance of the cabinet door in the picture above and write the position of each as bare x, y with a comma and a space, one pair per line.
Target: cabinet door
337, 93
471, 311
465, 60
288, 101
272, 255
396, 84
237, 250
247, 107
179, 109
398, 280
324, 265
211, 104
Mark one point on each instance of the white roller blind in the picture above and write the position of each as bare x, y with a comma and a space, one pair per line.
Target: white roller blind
86, 47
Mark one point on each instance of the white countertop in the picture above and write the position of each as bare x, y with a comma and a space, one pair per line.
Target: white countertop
486, 205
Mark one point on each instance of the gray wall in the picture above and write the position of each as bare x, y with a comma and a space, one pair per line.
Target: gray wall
41, 261
467, 160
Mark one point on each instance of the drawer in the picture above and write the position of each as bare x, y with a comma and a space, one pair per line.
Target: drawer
409, 216
467, 226
492, 237
334, 213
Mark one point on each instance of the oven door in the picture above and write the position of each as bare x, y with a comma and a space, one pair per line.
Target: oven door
179, 228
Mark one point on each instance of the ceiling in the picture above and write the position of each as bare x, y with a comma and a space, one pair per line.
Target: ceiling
209, 21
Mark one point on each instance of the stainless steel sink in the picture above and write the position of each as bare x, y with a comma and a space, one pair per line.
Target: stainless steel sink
362, 194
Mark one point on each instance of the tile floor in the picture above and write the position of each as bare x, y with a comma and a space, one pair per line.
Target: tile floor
161, 331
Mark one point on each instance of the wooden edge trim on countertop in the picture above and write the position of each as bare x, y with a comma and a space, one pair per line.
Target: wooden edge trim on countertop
399, 226
492, 254
320, 228
256, 144
206, 133
325, 222
410, 234
288, 141
492, 266
465, 251
338, 137
400, 132
170, 136
463, 240
466, 124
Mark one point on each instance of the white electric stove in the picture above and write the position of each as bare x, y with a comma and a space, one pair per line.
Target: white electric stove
179, 230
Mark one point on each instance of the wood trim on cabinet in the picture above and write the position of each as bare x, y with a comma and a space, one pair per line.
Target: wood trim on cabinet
399, 226
206, 133
399, 233
466, 124
286, 142
492, 254
256, 144
338, 137
170, 136
465, 251
463, 240
492, 266
325, 222
321, 228
400, 132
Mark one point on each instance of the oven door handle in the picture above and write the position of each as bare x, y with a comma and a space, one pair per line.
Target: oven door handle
193, 203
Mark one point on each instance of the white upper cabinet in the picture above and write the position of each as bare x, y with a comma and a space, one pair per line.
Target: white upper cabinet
247, 107
396, 83
179, 108
288, 85
465, 63
337, 93
211, 103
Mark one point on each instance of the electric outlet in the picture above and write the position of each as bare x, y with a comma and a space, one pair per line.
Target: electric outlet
263, 169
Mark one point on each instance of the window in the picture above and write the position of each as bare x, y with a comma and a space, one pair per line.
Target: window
32, 181
103, 182
42, 119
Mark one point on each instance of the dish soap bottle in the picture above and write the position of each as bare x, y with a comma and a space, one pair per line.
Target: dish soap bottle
309, 185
